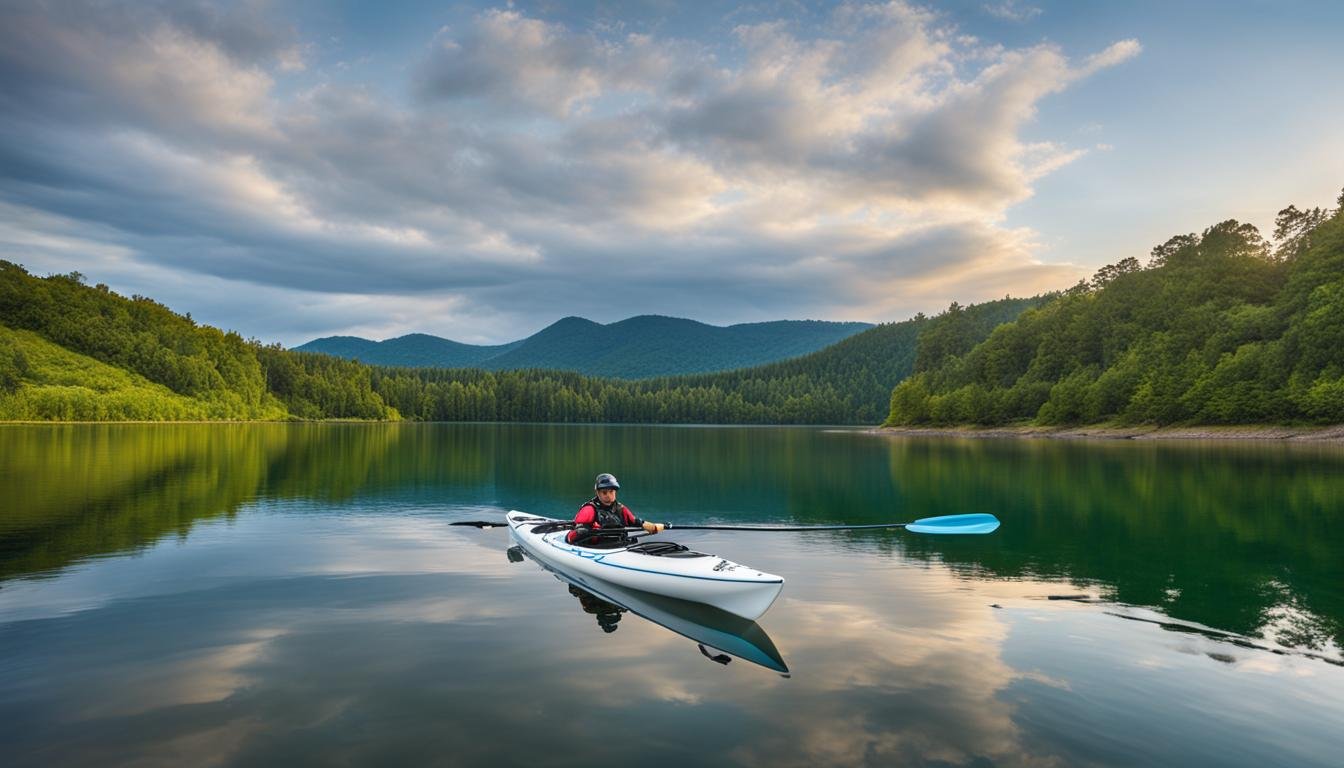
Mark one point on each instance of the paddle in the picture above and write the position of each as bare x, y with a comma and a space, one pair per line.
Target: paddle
961, 524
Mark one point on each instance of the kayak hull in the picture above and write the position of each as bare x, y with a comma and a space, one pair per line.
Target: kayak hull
693, 576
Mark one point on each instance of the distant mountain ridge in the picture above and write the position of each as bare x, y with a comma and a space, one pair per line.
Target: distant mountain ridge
415, 350
644, 346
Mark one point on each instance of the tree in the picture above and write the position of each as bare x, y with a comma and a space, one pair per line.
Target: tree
1161, 254
1110, 272
1291, 230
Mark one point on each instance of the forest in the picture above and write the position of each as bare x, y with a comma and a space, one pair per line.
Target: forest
72, 352
1219, 327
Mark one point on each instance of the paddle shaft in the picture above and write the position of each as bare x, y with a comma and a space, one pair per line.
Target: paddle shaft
774, 529
953, 524
673, 526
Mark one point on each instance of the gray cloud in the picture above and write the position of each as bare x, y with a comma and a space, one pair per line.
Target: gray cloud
506, 57
859, 173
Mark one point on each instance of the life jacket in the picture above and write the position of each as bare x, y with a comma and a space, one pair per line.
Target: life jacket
606, 517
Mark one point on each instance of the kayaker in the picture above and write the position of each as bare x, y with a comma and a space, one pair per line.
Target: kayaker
604, 511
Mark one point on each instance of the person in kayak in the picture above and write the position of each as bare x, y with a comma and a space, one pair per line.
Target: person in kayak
604, 511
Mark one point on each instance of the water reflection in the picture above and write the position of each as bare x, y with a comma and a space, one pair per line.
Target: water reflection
1234, 536
608, 614
1242, 538
311, 634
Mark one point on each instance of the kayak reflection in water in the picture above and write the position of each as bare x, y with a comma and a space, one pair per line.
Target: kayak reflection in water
608, 614
604, 511
715, 631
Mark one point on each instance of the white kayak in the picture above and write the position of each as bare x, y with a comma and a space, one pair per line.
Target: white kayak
659, 567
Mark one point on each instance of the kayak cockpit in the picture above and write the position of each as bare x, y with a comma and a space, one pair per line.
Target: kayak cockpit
619, 540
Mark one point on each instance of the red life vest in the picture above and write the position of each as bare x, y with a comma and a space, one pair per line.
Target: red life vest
615, 516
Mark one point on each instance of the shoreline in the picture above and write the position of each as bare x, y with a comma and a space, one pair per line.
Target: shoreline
1246, 432
1324, 434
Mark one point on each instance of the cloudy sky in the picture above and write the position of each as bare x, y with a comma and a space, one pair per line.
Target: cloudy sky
477, 171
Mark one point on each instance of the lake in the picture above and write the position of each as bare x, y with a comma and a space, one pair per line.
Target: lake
245, 594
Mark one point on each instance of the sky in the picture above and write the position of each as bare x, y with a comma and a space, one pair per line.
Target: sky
305, 168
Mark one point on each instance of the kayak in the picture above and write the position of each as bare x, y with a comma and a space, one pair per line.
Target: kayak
660, 567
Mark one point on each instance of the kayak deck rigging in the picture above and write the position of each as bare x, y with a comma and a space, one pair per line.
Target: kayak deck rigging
664, 549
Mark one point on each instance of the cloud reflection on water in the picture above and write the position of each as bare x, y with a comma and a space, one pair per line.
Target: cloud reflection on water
352, 631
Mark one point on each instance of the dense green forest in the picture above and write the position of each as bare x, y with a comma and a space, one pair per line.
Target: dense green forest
846, 383
641, 347
59, 384
134, 359
1220, 327
215, 369
178, 369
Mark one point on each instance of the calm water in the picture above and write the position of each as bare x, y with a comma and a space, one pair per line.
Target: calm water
293, 594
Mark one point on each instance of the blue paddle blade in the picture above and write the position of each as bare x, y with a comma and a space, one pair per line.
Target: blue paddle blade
976, 523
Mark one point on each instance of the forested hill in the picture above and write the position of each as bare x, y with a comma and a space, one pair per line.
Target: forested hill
69, 351
1219, 327
636, 348
73, 352
858, 373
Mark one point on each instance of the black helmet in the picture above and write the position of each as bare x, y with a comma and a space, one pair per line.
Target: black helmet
605, 480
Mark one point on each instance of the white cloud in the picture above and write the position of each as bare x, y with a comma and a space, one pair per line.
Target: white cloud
1115, 53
